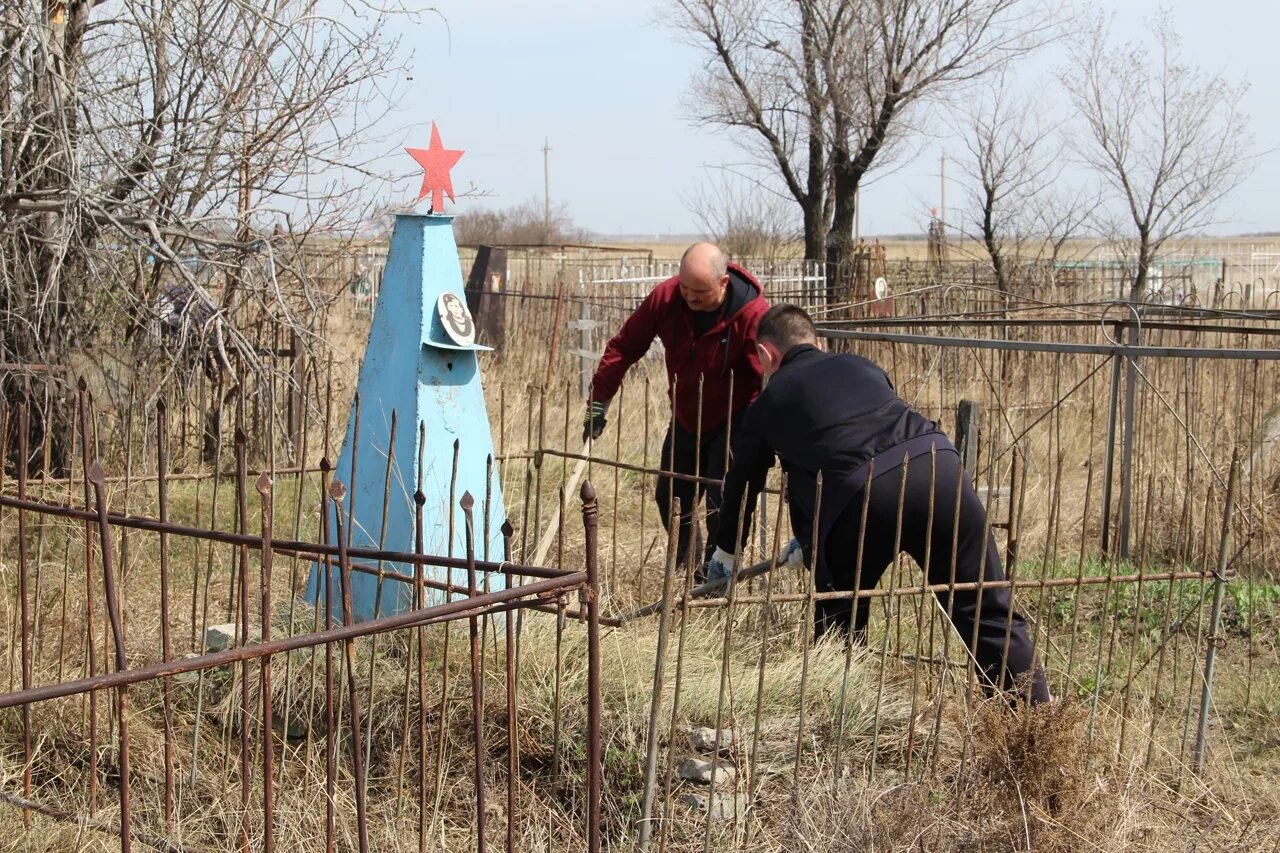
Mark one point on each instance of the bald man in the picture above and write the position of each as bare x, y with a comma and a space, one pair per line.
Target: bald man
706, 318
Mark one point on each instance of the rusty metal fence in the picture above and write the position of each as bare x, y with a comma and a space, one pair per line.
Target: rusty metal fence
161, 668
1125, 456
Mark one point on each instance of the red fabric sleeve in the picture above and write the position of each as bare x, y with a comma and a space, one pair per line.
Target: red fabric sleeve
624, 349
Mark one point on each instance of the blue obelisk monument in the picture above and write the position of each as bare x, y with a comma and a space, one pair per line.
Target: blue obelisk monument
421, 364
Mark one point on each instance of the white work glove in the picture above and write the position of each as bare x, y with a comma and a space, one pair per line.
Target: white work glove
720, 566
792, 556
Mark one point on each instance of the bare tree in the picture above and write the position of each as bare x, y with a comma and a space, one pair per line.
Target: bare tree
1063, 212
825, 89
1021, 204
1169, 140
524, 224
748, 221
151, 155
1012, 158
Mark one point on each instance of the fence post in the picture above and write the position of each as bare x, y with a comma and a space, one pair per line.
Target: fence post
590, 521
1108, 475
297, 395
586, 367
968, 420
1126, 443
1219, 588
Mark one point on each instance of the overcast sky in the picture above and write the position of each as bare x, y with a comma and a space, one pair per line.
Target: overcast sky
605, 83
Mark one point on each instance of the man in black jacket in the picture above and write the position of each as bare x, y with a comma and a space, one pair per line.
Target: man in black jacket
839, 415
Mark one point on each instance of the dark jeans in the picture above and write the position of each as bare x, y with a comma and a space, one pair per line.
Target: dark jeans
984, 618
685, 453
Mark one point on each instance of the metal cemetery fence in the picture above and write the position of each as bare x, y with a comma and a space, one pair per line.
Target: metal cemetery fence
165, 684
270, 718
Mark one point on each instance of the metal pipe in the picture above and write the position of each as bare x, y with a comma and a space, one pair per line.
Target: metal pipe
591, 592
264, 485
166, 650
1126, 440
408, 619
513, 755
625, 466
241, 585
702, 595
1215, 616
164, 845
283, 546
477, 683
1066, 348
24, 624
655, 702
117, 632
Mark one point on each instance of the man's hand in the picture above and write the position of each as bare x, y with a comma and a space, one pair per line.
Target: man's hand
593, 422
720, 566
792, 556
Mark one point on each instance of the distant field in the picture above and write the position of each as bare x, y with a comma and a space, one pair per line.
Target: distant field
899, 247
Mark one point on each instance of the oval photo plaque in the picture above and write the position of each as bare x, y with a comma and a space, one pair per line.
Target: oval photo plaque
456, 319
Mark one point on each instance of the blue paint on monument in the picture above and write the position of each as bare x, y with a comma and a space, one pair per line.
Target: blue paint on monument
412, 367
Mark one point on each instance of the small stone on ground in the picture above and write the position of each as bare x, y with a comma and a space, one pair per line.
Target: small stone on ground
723, 806
704, 771
704, 739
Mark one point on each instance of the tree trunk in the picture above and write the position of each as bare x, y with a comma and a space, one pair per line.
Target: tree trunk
814, 233
839, 242
1140, 274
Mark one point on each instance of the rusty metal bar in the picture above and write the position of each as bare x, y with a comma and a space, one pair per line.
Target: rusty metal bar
264, 485
91, 658
419, 601
381, 573
595, 767
337, 491
285, 546
726, 649
166, 649
172, 477
241, 580
701, 598
163, 845
24, 623
655, 703
408, 619
117, 631
513, 746
330, 717
1212, 641
477, 681
1122, 350
673, 521
625, 466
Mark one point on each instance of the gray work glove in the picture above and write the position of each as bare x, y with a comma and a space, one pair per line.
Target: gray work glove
593, 422
720, 566
792, 556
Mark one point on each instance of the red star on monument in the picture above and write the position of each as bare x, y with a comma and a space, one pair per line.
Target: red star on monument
436, 160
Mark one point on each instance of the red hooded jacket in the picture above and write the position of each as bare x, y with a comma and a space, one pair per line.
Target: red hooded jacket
726, 349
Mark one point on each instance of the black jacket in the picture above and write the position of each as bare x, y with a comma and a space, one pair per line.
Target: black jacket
820, 412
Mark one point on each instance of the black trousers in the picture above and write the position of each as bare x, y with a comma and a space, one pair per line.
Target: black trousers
705, 456
959, 537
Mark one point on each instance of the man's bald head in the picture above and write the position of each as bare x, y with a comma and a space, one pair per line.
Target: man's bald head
704, 276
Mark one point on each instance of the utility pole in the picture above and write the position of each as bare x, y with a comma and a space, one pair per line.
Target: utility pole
942, 201
546, 184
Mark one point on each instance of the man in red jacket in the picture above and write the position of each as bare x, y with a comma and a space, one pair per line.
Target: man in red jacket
706, 318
